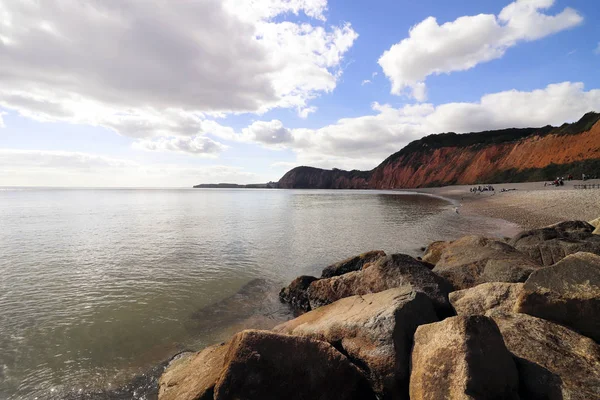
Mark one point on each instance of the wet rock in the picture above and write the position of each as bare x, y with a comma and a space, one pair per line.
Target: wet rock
472, 260
462, 358
296, 293
389, 272
434, 252
266, 365
352, 264
553, 361
567, 293
487, 297
375, 331
551, 244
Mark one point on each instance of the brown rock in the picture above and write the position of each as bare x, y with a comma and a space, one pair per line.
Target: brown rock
462, 358
375, 331
296, 293
567, 292
352, 264
265, 365
434, 251
485, 298
389, 272
551, 244
194, 375
554, 362
472, 260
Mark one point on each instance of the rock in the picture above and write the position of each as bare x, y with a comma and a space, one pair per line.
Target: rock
296, 293
265, 365
389, 272
375, 331
194, 375
462, 358
551, 244
485, 298
595, 223
596, 231
352, 264
553, 361
472, 260
434, 252
567, 293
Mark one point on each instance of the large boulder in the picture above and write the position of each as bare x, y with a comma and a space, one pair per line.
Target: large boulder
567, 292
375, 331
551, 244
462, 358
472, 260
352, 264
265, 365
295, 294
553, 361
485, 298
389, 272
434, 251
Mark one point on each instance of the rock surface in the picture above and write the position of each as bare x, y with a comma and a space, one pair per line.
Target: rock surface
375, 331
485, 298
595, 223
265, 365
389, 272
567, 293
554, 362
472, 260
434, 251
462, 358
295, 294
352, 264
551, 244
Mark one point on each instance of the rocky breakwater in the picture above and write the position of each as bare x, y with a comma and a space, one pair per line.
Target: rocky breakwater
482, 319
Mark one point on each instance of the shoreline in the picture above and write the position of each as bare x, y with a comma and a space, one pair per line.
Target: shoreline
531, 205
515, 211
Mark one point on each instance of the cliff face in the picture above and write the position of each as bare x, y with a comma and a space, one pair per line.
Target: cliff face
510, 155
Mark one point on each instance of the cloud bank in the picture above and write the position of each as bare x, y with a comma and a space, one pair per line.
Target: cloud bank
159, 69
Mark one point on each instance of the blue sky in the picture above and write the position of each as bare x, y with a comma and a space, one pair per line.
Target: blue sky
173, 93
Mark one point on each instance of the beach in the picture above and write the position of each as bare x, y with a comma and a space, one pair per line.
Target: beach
531, 205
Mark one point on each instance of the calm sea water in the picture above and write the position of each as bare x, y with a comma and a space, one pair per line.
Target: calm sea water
99, 285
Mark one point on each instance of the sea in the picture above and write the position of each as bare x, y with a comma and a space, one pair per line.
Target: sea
97, 286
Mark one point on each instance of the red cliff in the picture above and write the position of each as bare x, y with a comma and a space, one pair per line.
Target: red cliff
509, 155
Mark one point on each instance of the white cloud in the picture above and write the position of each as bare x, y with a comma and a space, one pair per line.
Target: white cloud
272, 134
363, 142
303, 113
467, 41
151, 71
197, 145
59, 168
365, 82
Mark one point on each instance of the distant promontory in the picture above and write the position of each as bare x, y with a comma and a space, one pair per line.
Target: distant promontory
507, 155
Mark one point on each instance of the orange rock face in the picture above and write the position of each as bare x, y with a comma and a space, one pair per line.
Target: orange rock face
482, 162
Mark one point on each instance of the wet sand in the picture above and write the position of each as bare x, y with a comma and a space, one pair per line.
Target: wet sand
531, 205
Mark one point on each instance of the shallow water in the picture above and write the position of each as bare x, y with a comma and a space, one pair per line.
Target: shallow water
98, 285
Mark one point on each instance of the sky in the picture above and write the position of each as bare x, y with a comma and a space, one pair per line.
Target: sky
172, 93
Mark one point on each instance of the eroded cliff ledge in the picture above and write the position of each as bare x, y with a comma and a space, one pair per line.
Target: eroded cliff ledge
508, 155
